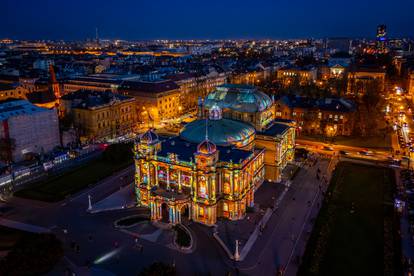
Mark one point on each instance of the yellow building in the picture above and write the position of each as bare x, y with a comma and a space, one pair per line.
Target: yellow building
360, 79
214, 166
179, 178
11, 91
289, 75
97, 82
157, 100
193, 87
99, 114
279, 144
247, 104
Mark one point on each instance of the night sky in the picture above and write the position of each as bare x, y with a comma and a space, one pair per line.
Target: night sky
185, 19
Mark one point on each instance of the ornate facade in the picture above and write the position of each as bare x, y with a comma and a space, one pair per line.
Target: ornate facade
180, 180
212, 169
246, 104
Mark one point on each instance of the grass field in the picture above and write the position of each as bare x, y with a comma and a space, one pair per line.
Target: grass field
57, 188
348, 237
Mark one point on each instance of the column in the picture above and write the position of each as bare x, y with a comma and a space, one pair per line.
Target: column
148, 173
213, 188
179, 181
231, 184
156, 175
194, 188
171, 214
168, 178
159, 215
208, 186
236, 183
152, 210
138, 173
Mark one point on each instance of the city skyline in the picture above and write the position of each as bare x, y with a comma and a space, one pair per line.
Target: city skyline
213, 20
226, 137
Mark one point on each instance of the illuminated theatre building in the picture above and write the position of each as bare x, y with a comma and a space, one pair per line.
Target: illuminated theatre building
247, 104
210, 170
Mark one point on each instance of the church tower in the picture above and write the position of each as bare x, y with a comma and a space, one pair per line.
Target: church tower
205, 184
146, 146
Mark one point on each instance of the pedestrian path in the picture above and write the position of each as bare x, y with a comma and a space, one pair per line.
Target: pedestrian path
123, 198
153, 237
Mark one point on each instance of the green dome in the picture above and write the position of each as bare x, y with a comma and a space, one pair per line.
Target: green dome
222, 132
242, 98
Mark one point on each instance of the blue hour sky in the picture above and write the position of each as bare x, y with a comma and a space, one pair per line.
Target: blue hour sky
185, 19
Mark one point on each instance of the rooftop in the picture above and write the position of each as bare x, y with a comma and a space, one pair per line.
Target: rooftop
243, 98
6, 86
149, 86
180, 77
275, 130
185, 151
223, 132
328, 104
17, 108
87, 99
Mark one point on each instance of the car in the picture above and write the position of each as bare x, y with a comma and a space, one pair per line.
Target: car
327, 148
365, 152
343, 152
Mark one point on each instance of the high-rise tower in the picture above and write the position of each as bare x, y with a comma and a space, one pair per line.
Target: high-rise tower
381, 38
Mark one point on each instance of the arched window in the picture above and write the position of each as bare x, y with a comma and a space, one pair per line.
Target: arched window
225, 207
201, 211
202, 187
226, 188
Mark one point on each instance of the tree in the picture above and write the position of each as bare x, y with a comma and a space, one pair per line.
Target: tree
118, 153
7, 145
33, 254
159, 269
371, 97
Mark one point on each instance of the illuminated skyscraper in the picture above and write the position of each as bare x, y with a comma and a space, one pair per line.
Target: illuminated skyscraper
381, 38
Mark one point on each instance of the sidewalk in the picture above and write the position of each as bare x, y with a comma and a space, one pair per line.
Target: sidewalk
121, 199
247, 230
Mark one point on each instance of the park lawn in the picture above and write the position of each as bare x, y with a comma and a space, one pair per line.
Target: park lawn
57, 188
345, 243
363, 142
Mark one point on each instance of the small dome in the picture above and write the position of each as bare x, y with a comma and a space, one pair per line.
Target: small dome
149, 137
206, 147
215, 113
